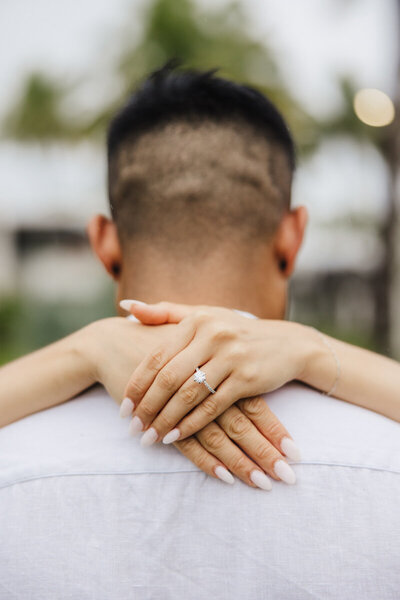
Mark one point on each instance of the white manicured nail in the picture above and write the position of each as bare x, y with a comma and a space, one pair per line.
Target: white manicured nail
135, 426
172, 436
284, 472
290, 449
127, 304
126, 408
261, 480
149, 437
224, 474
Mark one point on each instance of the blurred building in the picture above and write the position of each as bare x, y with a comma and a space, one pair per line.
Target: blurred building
45, 254
311, 60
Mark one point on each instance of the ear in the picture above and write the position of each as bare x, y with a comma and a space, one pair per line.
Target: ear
289, 237
104, 240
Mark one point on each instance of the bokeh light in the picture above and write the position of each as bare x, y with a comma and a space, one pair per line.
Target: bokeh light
373, 107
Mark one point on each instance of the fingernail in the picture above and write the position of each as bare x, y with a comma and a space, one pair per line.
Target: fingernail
135, 426
172, 436
224, 474
261, 480
284, 472
290, 449
149, 437
126, 408
127, 304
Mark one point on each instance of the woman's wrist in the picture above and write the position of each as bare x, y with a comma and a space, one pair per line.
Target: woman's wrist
86, 344
320, 369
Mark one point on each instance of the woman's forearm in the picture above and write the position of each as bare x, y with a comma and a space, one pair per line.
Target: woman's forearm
362, 377
44, 378
105, 351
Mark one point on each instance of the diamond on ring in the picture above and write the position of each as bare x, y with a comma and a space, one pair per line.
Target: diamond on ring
200, 377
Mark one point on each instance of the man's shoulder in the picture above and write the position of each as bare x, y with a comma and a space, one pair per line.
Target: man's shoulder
86, 436
333, 432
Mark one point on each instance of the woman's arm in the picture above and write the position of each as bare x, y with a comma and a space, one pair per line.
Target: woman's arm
360, 376
248, 439
43, 379
62, 370
244, 357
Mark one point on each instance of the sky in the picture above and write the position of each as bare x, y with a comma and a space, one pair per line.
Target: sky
315, 40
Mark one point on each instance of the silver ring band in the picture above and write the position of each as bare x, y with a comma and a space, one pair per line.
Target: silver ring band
200, 377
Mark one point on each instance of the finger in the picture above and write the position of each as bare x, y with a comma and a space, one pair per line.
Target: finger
258, 411
243, 432
214, 439
146, 372
159, 313
167, 382
208, 463
208, 410
188, 396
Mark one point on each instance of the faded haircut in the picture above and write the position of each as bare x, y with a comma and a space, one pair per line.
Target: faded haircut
195, 160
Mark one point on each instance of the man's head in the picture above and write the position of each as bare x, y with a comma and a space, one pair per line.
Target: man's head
200, 171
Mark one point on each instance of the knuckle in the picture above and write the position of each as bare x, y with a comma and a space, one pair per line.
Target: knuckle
274, 429
210, 407
236, 351
220, 331
165, 423
202, 460
238, 426
254, 407
188, 395
167, 379
146, 410
155, 359
188, 445
248, 374
135, 388
263, 451
239, 464
214, 438
188, 425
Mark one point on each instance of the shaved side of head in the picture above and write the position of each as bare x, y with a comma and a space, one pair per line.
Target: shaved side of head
196, 162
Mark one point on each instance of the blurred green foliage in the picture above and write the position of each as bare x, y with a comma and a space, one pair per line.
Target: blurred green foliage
37, 115
217, 37
28, 325
203, 38
198, 36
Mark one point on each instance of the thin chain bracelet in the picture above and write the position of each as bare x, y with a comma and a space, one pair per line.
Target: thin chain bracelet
335, 356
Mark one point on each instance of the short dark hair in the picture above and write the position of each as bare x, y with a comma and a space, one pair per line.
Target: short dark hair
188, 144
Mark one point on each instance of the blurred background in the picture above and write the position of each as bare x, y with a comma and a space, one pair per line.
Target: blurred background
332, 67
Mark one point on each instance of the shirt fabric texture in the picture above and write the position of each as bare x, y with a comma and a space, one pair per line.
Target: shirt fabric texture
87, 513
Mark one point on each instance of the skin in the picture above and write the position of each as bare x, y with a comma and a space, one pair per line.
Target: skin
259, 267
246, 356
107, 350
162, 389
148, 275
62, 370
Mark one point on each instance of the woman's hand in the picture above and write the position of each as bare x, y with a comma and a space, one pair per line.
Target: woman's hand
241, 357
113, 346
239, 439
246, 436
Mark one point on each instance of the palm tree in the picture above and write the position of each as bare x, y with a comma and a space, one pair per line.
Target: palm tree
37, 115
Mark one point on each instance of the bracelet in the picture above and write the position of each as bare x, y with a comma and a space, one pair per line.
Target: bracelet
335, 356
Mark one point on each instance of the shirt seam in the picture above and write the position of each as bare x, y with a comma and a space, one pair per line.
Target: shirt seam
124, 473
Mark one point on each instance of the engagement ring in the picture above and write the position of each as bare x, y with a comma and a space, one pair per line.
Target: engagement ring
200, 377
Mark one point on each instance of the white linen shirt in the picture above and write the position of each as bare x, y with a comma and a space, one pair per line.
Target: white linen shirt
87, 513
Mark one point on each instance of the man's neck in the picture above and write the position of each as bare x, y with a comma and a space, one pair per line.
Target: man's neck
214, 285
